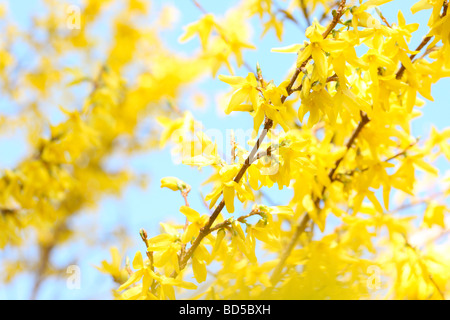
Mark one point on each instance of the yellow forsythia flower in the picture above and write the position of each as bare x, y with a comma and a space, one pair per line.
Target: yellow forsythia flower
173, 183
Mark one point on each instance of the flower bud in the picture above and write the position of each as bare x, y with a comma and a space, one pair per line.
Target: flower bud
143, 234
173, 183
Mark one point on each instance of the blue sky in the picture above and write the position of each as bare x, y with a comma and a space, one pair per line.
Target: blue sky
145, 208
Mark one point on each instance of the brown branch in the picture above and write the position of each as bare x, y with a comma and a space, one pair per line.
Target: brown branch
289, 17
424, 267
363, 122
261, 154
441, 294
229, 222
383, 18
224, 38
267, 198
428, 51
334, 77
199, 6
440, 235
326, 11
418, 202
184, 258
277, 273
276, 276
403, 152
286, 14
305, 11
46, 249
444, 8
340, 12
184, 194
422, 44
420, 47
8, 211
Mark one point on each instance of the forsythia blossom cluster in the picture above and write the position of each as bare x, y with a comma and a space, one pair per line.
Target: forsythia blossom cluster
354, 147
335, 135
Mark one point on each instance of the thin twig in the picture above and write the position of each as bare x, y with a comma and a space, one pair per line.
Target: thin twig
362, 123
441, 294
268, 199
383, 19
262, 154
418, 202
437, 237
305, 11
424, 267
206, 229
288, 15
198, 5
46, 249
402, 152
444, 9
340, 12
276, 276
422, 44
224, 38
229, 222
277, 273
334, 77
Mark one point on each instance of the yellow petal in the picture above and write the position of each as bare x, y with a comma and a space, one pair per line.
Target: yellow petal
232, 80
190, 213
320, 60
199, 268
138, 262
191, 231
333, 45
304, 55
434, 214
372, 3
238, 97
421, 5
294, 48
178, 283
132, 293
282, 210
371, 196
426, 166
133, 278
228, 195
